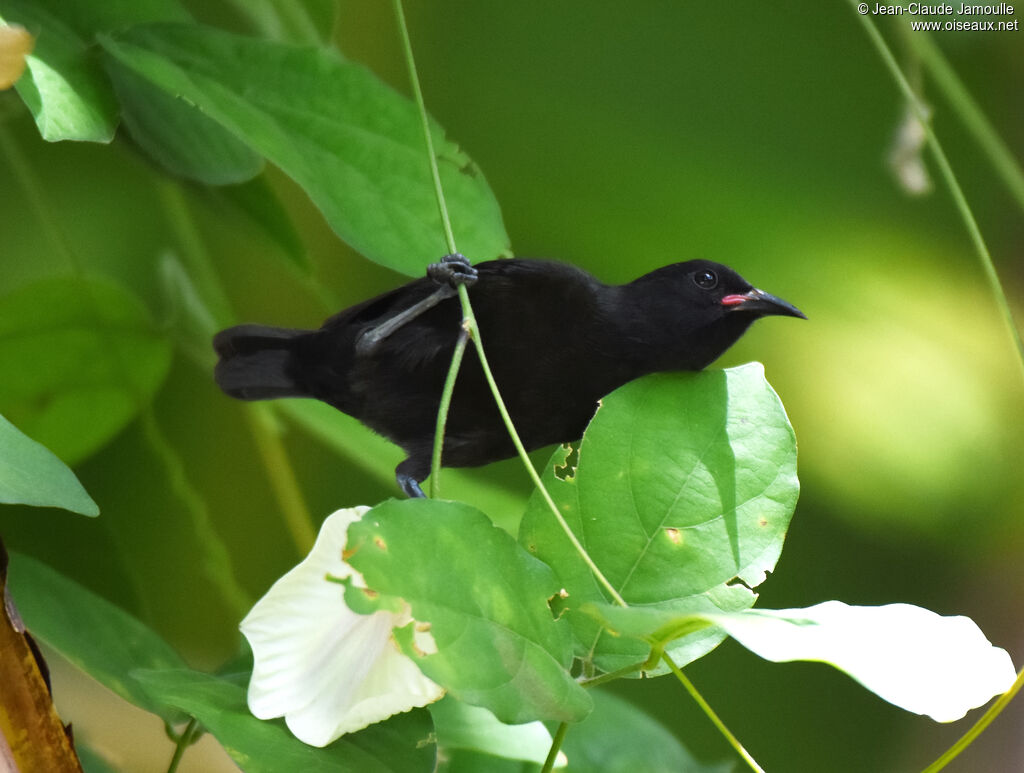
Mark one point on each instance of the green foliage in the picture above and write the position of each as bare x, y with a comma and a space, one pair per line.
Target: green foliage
178, 135
485, 600
618, 735
79, 358
684, 485
354, 145
65, 88
684, 482
101, 639
31, 475
403, 744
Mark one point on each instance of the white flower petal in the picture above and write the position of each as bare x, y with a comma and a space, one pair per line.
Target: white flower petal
326, 669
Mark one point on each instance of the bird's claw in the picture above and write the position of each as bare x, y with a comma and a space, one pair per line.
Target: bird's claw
452, 270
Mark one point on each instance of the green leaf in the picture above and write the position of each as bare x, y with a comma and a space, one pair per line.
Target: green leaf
66, 89
31, 475
349, 140
178, 136
79, 359
99, 638
400, 744
461, 726
485, 601
64, 86
685, 483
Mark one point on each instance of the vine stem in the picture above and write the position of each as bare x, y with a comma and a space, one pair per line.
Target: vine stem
1002, 160
978, 727
521, 450
470, 327
710, 712
947, 173
414, 78
184, 741
556, 744
442, 412
990, 272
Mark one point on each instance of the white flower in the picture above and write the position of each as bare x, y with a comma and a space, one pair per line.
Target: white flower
327, 670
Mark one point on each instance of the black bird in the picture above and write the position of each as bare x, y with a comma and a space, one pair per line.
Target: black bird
557, 340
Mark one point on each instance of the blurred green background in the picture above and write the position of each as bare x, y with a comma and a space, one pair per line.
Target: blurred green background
620, 138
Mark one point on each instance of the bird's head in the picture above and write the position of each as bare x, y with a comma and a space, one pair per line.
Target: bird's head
694, 311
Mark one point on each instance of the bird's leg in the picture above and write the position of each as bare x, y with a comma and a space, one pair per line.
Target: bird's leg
409, 474
449, 272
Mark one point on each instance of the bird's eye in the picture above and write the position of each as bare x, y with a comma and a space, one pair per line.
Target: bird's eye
706, 279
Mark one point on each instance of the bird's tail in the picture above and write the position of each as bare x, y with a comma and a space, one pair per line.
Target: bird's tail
256, 362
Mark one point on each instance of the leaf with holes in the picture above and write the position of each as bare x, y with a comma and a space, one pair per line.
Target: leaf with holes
682, 494
485, 601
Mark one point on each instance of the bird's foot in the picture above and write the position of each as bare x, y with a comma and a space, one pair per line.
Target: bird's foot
409, 474
410, 486
452, 270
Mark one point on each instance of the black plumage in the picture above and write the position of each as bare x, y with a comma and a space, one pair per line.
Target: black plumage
557, 340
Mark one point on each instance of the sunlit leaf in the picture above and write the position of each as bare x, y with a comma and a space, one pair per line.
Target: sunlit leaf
99, 638
920, 661
401, 744
485, 601
31, 475
350, 141
79, 359
685, 483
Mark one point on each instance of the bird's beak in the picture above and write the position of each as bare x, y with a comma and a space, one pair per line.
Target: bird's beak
762, 303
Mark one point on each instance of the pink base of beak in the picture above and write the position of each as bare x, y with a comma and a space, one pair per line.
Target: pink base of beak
734, 300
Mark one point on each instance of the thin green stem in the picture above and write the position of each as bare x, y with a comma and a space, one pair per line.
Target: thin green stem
467, 311
184, 741
978, 727
613, 675
706, 708
556, 744
414, 79
449, 235
442, 412
469, 325
947, 173
1002, 160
